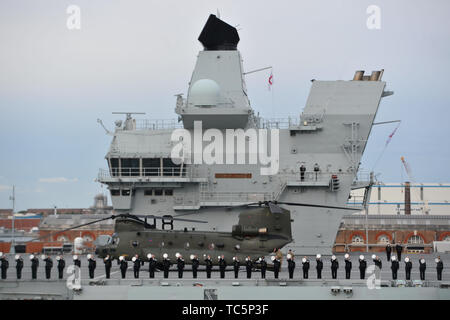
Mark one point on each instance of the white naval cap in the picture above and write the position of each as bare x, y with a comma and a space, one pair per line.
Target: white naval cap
107, 258
75, 257
165, 255
58, 258
436, 260
31, 256
149, 255
272, 258
346, 256
393, 258
43, 256
333, 257
422, 260
374, 256
234, 258
289, 256
218, 257
304, 259
318, 256
406, 259
18, 257
177, 255
121, 258
133, 259
89, 256
361, 257
192, 257
1, 254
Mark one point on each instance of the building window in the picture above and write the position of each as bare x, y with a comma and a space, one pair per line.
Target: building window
415, 240
447, 238
357, 239
151, 166
115, 192
125, 192
158, 192
148, 192
383, 239
87, 238
114, 166
62, 239
168, 192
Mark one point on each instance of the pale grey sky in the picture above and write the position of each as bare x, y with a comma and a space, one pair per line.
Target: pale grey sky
135, 55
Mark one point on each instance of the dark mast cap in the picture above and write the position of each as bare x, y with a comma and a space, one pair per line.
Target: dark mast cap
218, 35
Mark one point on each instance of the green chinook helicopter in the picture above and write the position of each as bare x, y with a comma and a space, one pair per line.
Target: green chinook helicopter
260, 230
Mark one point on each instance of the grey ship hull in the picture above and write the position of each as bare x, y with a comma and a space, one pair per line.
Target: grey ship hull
230, 288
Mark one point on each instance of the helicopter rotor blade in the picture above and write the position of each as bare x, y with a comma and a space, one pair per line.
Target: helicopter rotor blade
71, 228
317, 206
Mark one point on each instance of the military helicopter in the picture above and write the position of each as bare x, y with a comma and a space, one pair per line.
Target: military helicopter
259, 231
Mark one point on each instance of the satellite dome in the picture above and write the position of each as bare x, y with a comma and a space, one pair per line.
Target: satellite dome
204, 92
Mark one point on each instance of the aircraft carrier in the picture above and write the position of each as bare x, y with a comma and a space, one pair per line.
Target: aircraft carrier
327, 139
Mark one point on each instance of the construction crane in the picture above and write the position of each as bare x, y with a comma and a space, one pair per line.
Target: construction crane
424, 209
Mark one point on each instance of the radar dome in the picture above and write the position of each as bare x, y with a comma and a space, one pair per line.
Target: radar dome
204, 92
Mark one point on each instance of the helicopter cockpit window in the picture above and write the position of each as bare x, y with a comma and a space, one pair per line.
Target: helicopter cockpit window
135, 243
115, 239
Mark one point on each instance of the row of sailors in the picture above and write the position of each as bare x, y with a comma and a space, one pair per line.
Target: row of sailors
249, 264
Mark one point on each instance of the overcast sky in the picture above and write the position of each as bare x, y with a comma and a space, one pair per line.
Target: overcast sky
134, 55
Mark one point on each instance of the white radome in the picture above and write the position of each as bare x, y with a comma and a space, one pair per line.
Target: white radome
204, 92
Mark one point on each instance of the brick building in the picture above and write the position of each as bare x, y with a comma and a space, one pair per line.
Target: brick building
415, 232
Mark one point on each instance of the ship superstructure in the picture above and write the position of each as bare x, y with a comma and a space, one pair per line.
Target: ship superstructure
319, 150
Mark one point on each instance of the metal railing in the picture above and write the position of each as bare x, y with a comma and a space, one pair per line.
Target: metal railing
160, 124
185, 172
278, 123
